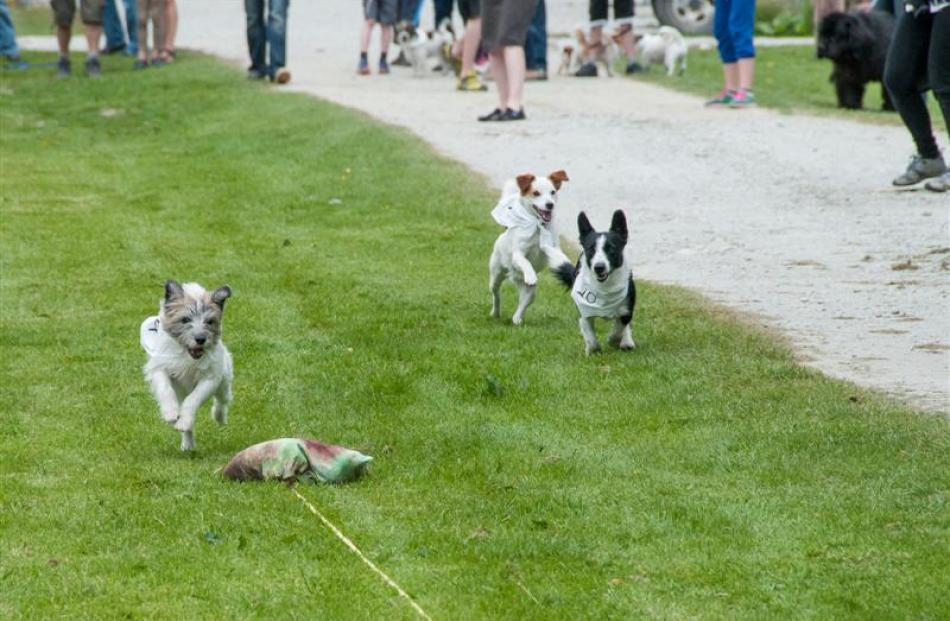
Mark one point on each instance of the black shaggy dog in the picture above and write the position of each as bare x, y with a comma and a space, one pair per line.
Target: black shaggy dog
857, 44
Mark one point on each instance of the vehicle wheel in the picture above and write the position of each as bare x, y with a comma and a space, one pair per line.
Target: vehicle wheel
687, 16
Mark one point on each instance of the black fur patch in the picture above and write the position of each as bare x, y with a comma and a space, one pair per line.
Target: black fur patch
567, 273
630, 302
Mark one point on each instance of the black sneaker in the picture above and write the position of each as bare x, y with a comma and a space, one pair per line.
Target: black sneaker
634, 67
256, 74
511, 115
93, 68
113, 49
63, 68
494, 115
587, 70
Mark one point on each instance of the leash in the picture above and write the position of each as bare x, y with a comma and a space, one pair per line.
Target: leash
346, 541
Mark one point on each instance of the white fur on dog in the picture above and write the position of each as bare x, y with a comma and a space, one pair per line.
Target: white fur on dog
180, 383
529, 243
666, 47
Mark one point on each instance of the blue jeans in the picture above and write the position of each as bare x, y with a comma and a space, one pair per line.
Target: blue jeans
536, 45
409, 11
443, 10
112, 26
733, 25
8, 45
272, 35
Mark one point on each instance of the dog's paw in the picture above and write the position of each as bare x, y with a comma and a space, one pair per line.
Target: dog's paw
170, 417
187, 442
531, 279
184, 425
517, 320
495, 313
628, 345
592, 349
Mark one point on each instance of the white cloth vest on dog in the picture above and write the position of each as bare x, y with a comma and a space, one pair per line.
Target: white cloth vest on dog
510, 214
601, 299
150, 335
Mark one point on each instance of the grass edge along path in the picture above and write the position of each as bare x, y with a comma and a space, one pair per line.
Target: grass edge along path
706, 474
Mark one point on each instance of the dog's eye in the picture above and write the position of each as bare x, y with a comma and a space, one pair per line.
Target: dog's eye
211, 322
186, 319
536, 193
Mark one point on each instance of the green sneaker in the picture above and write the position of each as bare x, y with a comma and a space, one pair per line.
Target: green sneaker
723, 98
742, 99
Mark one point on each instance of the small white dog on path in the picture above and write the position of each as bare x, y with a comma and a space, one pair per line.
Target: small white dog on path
529, 243
667, 47
187, 361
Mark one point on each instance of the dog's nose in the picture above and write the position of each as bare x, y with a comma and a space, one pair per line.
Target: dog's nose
600, 268
201, 339
549, 205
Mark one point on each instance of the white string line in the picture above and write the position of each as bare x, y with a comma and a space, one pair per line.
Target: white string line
352, 546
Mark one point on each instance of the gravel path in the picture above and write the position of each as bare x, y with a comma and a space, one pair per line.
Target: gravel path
787, 217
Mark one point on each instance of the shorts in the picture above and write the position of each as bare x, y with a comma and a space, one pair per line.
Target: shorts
470, 9
385, 12
90, 12
505, 23
623, 12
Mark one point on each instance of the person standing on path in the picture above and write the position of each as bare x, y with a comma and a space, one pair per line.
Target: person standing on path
384, 13
90, 11
267, 40
504, 31
919, 56
471, 39
733, 26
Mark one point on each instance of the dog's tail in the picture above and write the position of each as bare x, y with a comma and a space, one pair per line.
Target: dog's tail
566, 273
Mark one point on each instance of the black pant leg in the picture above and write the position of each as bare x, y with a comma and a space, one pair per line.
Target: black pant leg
904, 71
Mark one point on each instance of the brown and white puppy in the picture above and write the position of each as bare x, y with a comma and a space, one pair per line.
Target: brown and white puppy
187, 360
529, 243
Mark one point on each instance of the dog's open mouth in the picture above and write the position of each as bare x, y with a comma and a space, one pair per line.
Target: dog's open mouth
544, 214
196, 352
602, 277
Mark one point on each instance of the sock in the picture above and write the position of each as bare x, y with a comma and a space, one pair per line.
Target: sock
91, 55
382, 57
363, 57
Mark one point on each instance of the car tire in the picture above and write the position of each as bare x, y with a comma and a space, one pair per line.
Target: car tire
691, 17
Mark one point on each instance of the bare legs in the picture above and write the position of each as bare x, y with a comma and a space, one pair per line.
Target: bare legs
508, 69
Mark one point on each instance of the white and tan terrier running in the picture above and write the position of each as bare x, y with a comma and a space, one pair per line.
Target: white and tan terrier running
187, 361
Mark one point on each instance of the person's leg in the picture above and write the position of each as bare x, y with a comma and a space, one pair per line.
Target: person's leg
170, 27
277, 35
91, 12
112, 26
470, 41
8, 46
131, 25
727, 53
365, 35
514, 74
938, 64
500, 74
63, 13
157, 14
741, 28
536, 45
142, 13
256, 37
903, 74
443, 11
623, 16
938, 73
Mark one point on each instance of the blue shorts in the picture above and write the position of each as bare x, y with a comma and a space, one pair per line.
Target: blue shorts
733, 26
383, 11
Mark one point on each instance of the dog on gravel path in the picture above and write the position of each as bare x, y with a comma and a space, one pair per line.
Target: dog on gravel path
857, 45
187, 361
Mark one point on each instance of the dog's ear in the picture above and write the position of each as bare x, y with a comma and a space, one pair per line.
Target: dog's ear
557, 178
173, 289
618, 224
220, 295
583, 225
524, 183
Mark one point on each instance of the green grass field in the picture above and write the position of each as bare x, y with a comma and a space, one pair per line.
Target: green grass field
789, 79
704, 475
